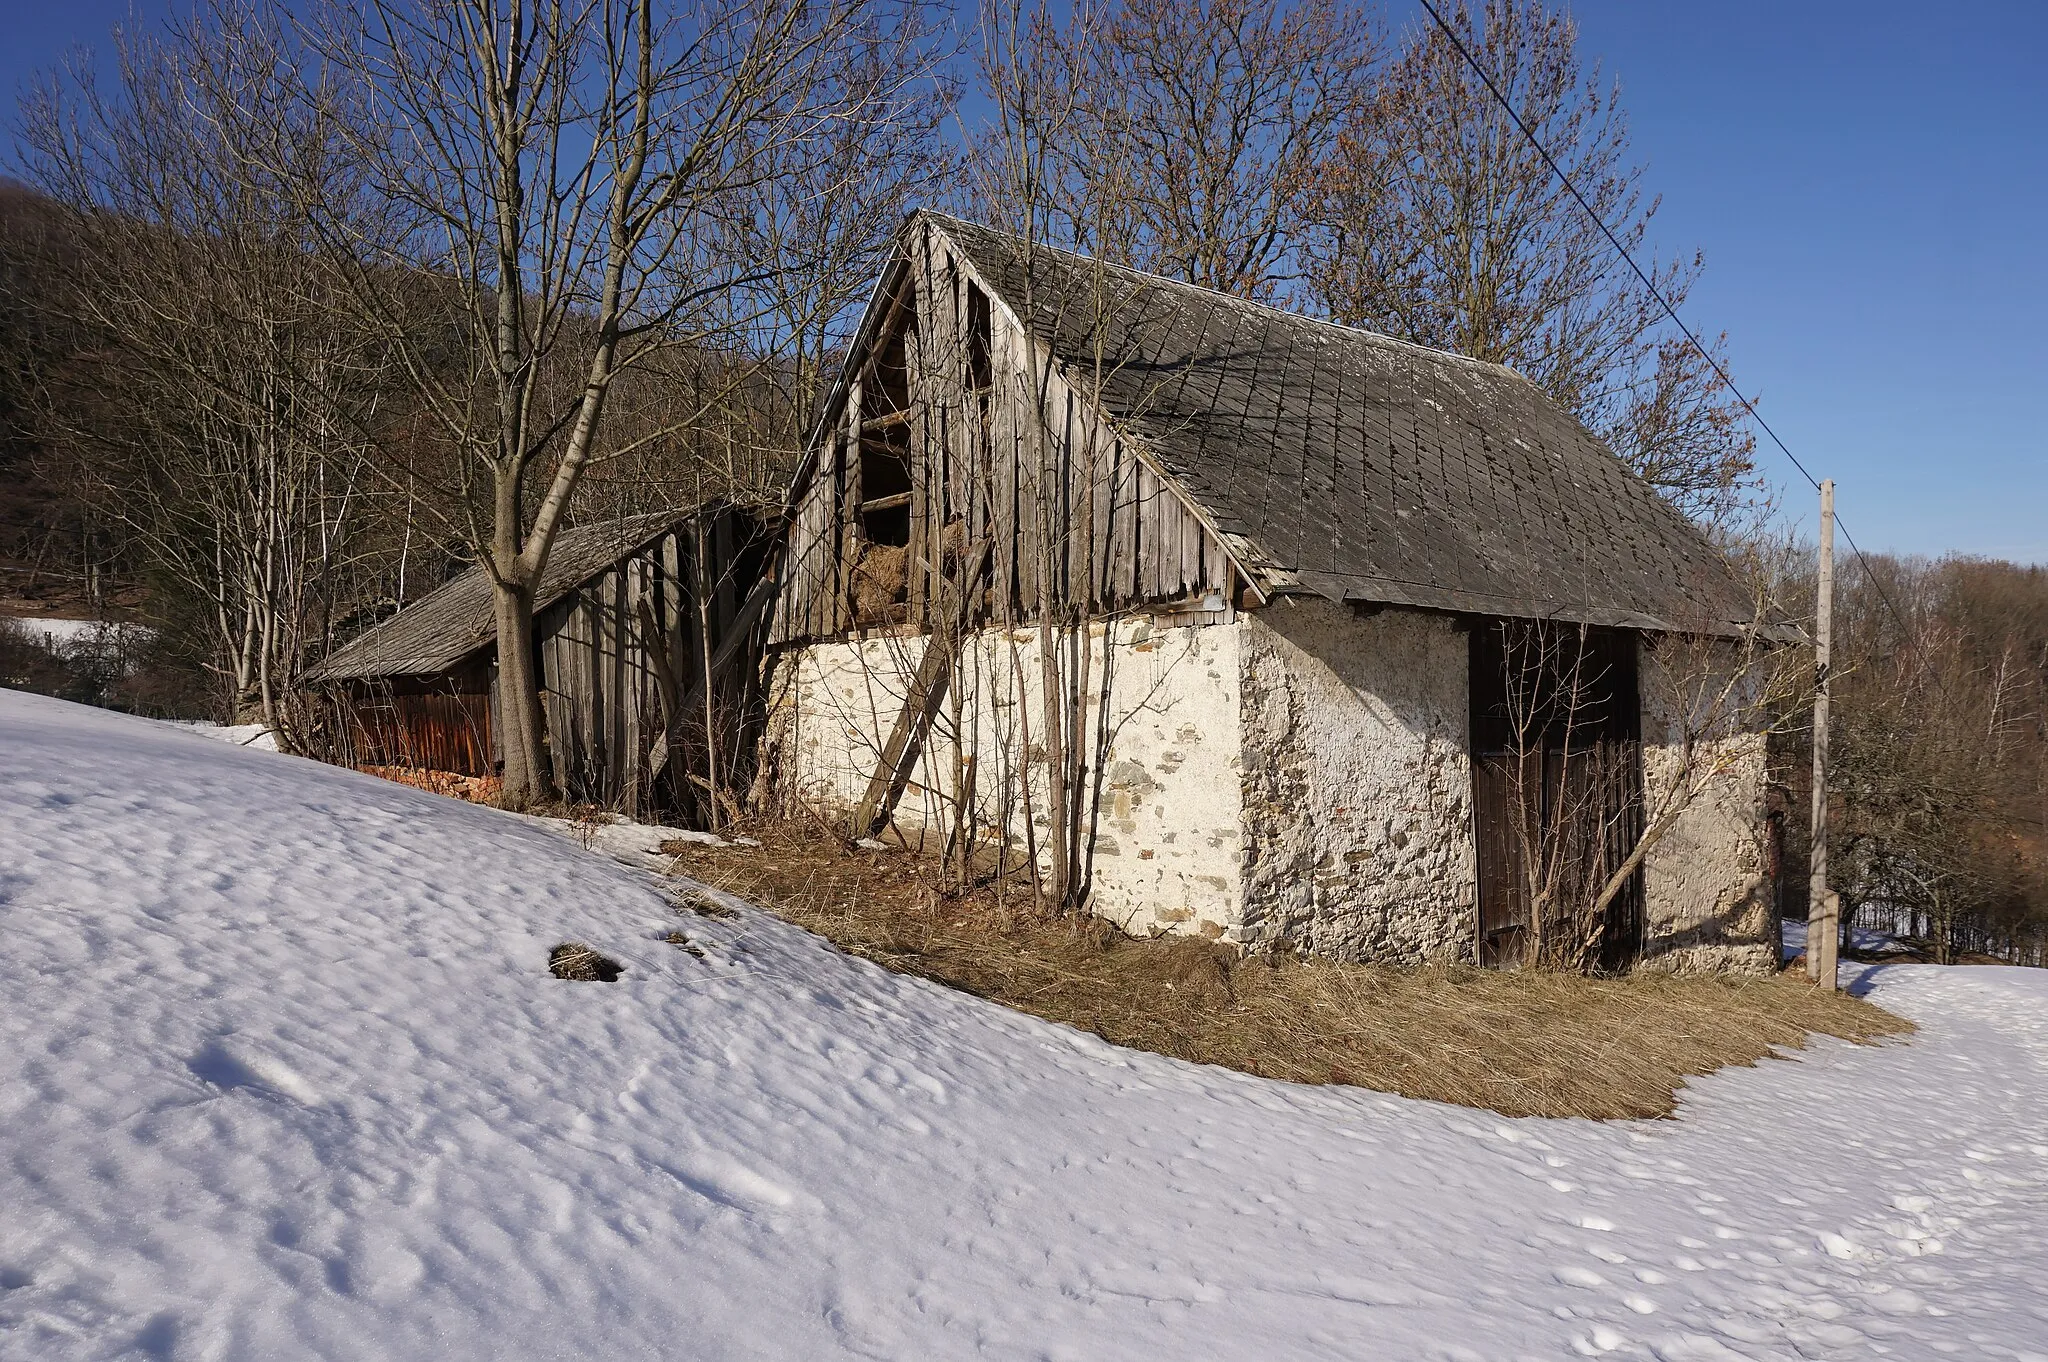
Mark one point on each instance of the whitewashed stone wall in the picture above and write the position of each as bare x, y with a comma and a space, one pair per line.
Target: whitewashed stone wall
1707, 893
1169, 850
1296, 776
1357, 786
1171, 847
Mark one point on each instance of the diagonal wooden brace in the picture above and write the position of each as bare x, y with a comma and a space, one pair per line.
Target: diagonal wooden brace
920, 707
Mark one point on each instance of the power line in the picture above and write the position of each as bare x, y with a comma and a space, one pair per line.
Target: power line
1458, 41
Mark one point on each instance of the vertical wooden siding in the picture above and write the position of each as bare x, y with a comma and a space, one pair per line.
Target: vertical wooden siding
601, 681
437, 731
1057, 491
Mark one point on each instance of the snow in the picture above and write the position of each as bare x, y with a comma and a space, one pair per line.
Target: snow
283, 1074
241, 735
55, 633
1869, 940
60, 635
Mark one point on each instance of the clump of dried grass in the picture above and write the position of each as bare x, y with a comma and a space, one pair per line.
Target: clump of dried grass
1523, 1044
575, 961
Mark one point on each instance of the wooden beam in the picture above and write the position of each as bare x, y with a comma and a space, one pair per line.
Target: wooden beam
920, 707
875, 424
657, 646
735, 636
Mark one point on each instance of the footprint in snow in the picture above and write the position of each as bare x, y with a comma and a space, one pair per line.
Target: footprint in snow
223, 1068
729, 1183
1601, 1340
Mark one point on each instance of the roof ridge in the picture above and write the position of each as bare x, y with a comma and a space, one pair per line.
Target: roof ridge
1233, 298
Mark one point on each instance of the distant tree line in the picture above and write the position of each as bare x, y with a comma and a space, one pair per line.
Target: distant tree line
302, 310
1938, 757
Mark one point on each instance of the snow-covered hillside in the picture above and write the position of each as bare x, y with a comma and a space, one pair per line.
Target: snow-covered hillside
283, 1075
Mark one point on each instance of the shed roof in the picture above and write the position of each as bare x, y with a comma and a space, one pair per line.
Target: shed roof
448, 624
1361, 467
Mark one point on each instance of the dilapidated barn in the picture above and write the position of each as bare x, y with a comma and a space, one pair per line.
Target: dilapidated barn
1298, 578
636, 622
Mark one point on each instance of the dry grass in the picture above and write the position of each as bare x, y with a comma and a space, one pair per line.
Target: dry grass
1522, 1044
576, 961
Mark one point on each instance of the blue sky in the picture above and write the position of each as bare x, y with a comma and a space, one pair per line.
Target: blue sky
1869, 182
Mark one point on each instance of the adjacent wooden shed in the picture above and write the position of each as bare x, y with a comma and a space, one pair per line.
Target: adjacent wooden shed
636, 622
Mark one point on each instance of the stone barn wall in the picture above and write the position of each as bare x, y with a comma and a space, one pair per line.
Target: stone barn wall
1707, 900
1169, 849
1295, 776
1357, 784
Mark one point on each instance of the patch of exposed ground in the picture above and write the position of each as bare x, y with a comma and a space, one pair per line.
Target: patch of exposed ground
575, 961
1522, 1043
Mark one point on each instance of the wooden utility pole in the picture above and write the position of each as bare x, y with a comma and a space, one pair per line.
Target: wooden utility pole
711, 787
1822, 907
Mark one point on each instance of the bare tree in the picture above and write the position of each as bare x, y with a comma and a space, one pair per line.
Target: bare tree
1603, 741
217, 413
1030, 705
1941, 735
1440, 223
828, 213
1024, 182
1211, 118
569, 169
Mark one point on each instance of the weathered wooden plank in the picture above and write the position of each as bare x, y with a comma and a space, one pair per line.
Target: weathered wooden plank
826, 571
850, 538
723, 561
1018, 446
624, 677
875, 425
796, 614
632, 667
997, 419
1108, 590
664, 602
923, 545
603, 734
822, 540
646, 698
1146, 525
1121, 570
612, 749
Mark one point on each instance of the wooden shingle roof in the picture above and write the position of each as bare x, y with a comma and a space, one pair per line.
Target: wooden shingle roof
455, 620
1360, 467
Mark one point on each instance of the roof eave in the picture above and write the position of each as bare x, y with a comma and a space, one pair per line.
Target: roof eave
1446, 600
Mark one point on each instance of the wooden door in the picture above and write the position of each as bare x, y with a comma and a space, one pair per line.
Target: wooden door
1503, 888
1556, 787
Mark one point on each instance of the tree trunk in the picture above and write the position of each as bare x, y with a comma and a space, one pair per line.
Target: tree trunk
521, 729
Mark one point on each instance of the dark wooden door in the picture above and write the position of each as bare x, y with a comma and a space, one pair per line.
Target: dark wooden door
1503, 887
1556, 785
